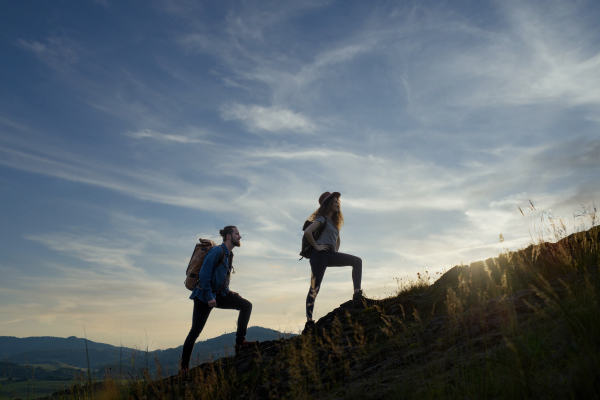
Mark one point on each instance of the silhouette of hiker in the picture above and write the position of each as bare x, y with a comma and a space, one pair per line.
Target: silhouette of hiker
325, 253
212, 291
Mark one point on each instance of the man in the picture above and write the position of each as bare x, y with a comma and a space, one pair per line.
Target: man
213, 291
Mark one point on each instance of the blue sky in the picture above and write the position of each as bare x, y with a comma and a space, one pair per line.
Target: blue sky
130, 129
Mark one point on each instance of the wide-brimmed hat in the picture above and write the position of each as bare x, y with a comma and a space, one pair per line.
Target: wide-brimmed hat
327, 195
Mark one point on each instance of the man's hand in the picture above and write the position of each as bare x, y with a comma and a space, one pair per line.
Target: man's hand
212, 303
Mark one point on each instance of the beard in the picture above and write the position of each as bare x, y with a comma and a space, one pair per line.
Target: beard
235, 242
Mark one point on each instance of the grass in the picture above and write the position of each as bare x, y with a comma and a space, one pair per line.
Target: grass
518, 326
31, 389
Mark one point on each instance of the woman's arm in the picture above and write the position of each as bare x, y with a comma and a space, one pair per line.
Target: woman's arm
308, 233
337, 244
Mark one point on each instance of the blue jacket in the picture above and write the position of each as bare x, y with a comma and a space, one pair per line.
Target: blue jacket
211, 281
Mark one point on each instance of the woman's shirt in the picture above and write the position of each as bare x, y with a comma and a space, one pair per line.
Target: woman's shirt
330, 234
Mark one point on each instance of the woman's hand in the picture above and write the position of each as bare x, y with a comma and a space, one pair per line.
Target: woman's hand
212, 303
322, 247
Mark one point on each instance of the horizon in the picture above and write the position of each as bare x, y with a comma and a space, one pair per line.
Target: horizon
149, 349
126, 133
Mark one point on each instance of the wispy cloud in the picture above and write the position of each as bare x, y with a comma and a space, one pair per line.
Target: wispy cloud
543, 58
150, 134
95, 250
299, 154
158, 187
270, 119
57, 52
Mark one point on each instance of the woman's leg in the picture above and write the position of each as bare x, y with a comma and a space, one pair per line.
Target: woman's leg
199, 317
345, 260
318, 265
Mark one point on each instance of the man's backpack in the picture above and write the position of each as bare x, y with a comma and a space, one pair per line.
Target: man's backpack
193, 270
307, 248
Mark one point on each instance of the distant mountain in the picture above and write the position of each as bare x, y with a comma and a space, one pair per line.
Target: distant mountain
11, 346
71, 351
218, 347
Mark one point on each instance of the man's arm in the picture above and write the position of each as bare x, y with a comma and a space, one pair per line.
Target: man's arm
207, 271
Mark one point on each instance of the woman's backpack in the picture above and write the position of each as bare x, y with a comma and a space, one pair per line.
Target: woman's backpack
307, 248
198, 256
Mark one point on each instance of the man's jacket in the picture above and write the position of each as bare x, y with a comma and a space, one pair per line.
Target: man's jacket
214, 278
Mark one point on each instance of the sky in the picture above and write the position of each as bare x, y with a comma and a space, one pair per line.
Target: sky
130, 129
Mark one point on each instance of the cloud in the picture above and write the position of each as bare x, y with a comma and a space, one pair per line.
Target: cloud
12, 124
270, 119
102, 251
150, 134
286, 154
543, 57
366, 179
142, 184
108, 303
56, 52
252, 45
298, 83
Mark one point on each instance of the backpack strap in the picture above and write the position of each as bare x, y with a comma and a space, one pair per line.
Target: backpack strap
219, 261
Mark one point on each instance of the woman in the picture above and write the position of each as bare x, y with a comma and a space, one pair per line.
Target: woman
325, 251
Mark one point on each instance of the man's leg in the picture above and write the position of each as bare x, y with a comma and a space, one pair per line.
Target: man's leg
199, 317
237, 302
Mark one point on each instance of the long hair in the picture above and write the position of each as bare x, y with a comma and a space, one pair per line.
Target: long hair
337, 218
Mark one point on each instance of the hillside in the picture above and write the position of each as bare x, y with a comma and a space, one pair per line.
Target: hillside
55, 372
522, 325
71, 352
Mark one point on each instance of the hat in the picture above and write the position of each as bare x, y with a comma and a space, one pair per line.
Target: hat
327, 195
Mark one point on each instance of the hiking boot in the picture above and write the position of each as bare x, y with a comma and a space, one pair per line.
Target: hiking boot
244, 346
360, 298
184, 374
309, 328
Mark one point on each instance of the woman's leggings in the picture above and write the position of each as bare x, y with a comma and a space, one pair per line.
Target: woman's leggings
319, 261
